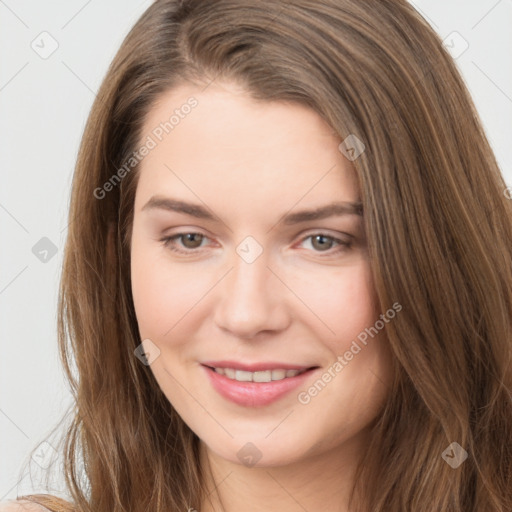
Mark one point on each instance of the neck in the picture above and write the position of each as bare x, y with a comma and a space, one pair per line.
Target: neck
320, 482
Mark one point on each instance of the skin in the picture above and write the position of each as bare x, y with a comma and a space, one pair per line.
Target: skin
299, 302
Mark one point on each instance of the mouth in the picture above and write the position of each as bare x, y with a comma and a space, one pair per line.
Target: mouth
258, 376
257, 384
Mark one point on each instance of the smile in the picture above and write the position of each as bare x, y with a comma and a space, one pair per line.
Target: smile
261, 376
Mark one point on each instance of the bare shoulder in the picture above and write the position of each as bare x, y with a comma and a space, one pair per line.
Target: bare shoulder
21, 506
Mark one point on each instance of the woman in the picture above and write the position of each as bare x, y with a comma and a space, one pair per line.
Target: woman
287, 279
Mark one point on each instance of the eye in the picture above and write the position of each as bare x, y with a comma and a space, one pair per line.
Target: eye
320, 242
189, 241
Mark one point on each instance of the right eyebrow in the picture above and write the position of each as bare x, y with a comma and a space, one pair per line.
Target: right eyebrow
174, 205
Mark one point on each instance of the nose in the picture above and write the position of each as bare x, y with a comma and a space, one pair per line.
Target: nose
251, 299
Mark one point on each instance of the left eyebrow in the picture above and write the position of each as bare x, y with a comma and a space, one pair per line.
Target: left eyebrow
330, 210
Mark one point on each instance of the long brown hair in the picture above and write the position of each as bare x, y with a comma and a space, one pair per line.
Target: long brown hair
438, 225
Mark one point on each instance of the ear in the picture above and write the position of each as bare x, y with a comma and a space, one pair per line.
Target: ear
111, 262
110, 251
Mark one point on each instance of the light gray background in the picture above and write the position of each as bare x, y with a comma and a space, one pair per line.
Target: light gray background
44, 104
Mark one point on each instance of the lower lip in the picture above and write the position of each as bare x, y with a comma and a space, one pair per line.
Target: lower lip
254, 394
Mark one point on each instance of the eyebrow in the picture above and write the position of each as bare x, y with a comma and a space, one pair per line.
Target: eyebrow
200, 212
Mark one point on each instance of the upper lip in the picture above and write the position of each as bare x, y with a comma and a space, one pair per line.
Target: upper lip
256, 367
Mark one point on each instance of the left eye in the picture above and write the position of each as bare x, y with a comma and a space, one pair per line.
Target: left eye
323, 242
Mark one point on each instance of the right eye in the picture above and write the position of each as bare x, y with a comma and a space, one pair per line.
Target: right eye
189, 241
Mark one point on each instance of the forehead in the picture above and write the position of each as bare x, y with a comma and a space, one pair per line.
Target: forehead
226, 111
220, 141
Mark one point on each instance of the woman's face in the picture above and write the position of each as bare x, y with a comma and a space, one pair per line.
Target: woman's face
248, 255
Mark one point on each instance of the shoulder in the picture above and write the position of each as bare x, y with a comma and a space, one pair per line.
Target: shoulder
21, 506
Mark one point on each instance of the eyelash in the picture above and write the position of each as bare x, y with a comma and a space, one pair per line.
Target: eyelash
342, 246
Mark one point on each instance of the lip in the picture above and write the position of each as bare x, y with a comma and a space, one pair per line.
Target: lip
255, 394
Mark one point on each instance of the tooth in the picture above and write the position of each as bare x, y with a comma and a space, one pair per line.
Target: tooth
229, 373
260, 376
278, 374
243, 376
263, 376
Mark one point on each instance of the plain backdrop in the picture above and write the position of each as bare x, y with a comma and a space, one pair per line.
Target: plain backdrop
53, 56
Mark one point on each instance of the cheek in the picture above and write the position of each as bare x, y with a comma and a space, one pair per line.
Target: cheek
164, 293
157, 295
342, 301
